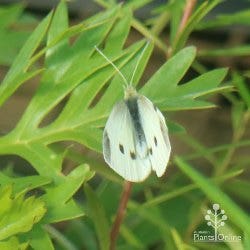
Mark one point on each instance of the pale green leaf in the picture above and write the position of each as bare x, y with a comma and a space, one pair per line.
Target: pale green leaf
19, 214
13, 244
23, 184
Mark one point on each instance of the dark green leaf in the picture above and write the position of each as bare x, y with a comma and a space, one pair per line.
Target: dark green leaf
98, 217
243, 50
242, 88
241, 17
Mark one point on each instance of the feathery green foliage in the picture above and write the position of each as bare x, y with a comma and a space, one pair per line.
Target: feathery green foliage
74, 77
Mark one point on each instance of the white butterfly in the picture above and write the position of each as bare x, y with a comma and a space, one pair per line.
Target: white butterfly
135, 138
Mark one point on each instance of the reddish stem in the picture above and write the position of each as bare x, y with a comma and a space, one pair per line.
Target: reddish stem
120, 214
190, 4
186, 14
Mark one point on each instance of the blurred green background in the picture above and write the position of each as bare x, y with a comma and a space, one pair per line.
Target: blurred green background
210, 159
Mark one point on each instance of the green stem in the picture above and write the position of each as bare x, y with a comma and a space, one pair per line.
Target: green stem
236, 138
60, 238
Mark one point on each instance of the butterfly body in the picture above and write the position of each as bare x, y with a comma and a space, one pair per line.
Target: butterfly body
135, 139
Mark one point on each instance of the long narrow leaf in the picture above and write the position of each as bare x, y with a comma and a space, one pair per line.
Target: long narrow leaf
234, 212
98, 216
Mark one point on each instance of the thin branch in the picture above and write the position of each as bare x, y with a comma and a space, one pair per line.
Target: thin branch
120, 214
190, 4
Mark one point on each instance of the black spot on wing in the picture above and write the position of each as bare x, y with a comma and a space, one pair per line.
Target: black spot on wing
106, 146
150, 151
155, 141
121, 148
132, 155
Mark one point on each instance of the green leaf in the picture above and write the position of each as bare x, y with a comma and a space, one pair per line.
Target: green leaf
241, 17
175, 127
60, 79
98, 217
246, 240
18, 214
95, 165
176, 12
9, 14
229, 231
60, 238
238, 110
12, 37
168, 76
163, 90
166, 196
177, 239
58, 198
68, 77
137, 4
118, 34
239, 188
23, 184
234, 212
243, 50
115, 90
38, 238
242, 88
193, 21
131, 237
201, 85
19, 67
13, 244
59, 24
150, 215
184, 104
10, 44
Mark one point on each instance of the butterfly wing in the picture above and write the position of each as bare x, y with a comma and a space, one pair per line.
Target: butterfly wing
119, 146
156, 134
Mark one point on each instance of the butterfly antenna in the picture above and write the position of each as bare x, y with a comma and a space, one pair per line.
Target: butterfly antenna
123, 77
139, 60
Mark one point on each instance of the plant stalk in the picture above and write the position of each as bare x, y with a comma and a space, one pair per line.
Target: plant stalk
127, 187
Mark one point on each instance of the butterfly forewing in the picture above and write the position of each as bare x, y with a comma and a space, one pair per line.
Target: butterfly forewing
120, 147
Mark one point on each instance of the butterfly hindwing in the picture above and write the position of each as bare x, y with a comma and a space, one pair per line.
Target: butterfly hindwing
135, 138
120, 147
156, 134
